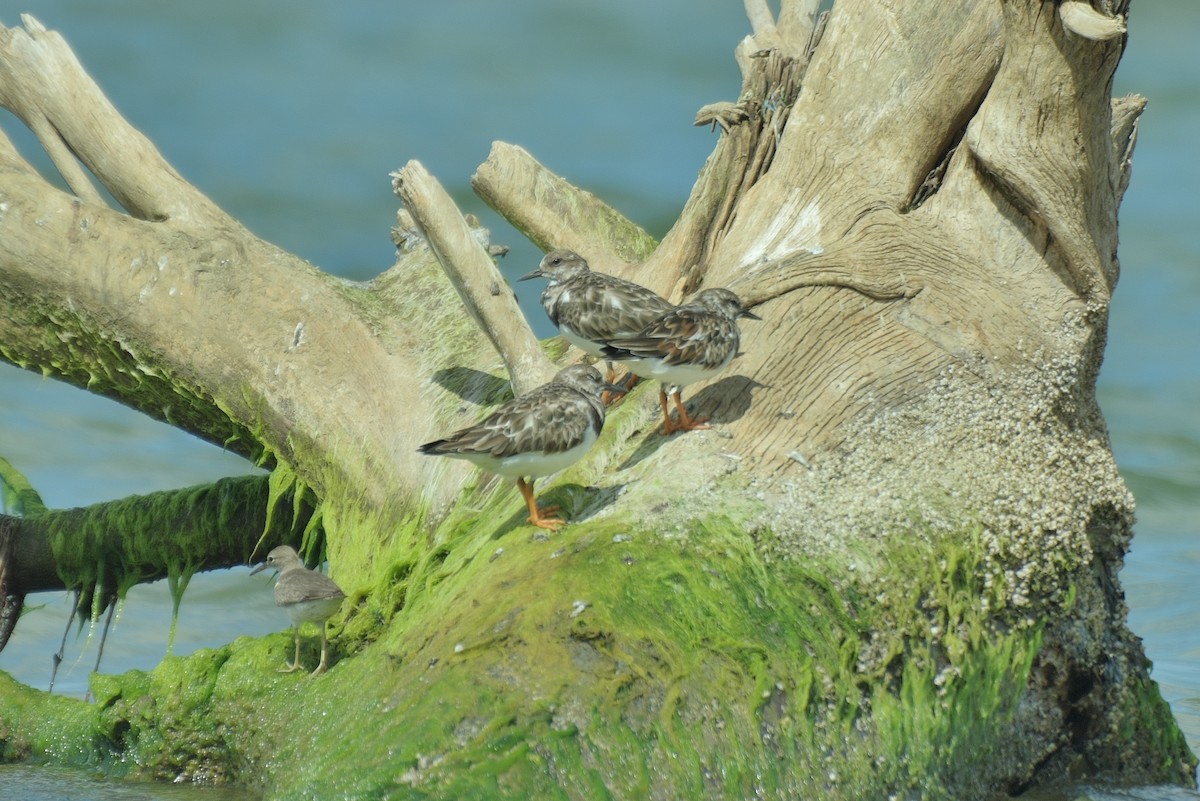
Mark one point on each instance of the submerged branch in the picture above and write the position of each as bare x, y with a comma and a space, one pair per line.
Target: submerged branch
104, 549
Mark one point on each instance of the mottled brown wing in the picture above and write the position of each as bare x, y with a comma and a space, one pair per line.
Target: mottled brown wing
685, 335
552, 418
602, 307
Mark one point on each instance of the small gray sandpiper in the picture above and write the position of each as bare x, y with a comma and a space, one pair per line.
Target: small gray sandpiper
306, 596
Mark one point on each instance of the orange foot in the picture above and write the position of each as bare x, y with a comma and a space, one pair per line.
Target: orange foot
620, 390
685, 423
608, 398
550, 521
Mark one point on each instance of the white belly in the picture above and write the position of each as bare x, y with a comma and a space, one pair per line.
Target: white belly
585, 345
672, 374
317, 610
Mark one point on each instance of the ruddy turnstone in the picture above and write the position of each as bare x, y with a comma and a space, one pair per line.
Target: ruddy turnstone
591, 309
306, 596
535, 435
686, 344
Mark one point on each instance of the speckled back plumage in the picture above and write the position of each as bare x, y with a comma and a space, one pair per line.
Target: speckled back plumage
552, 419
702, 333
591, 308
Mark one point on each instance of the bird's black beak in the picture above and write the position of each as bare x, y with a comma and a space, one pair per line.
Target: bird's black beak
750, 314
259, 569
536, 273
616, 388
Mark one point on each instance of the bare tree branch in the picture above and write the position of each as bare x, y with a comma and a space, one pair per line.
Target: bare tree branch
762, 21
484, 292
43, 83
554, 214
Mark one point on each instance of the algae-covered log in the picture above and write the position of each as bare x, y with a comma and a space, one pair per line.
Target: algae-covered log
109, 547
101, 551
892, 568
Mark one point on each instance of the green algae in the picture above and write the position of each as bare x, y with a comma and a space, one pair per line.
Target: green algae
151, 719
18, 496
475, 657
606, 662
105, 549
39, 727
672, 657
1147, 716
86, 354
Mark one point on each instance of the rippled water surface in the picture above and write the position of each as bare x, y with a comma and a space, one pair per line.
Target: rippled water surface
35, 783
291, 116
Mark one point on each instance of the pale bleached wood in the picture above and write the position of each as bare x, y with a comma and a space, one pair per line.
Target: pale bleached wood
1126, 114
43, 83
1083, 20
1054, 166
177, 310
762, 22
797, 22
930, 261
555, 214
484, 292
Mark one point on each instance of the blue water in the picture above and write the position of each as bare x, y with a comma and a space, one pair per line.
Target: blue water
29, 783
290, 116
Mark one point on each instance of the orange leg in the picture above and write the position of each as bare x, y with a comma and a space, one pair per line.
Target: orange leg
608, 397
551, 522
685, 423
669, 426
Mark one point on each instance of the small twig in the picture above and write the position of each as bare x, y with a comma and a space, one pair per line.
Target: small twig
108, 619
57, 657
484, 292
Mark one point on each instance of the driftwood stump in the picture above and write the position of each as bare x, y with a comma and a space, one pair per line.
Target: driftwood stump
893, 566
